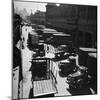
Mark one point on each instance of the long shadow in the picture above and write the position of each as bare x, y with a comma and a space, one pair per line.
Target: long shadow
43, 96
31, 93
80, 92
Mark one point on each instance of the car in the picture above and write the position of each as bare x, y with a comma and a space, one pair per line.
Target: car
67, 68
79, 79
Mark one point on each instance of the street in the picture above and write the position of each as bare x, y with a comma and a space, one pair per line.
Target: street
27, 57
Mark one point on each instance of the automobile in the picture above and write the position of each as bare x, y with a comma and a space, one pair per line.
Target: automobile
40, 27
61, 55
39, 50
79, 79
38, 53
67, 68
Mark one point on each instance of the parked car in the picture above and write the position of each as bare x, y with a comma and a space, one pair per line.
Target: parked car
79, 79
67, 68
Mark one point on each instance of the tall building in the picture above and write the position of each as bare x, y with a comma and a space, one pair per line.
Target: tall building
79, 20
87, 26
38, 17
63, 16
23, 13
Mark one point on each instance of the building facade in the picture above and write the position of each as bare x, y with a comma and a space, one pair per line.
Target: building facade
78, 20
38, 17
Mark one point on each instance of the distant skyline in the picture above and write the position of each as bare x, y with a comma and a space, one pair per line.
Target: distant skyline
29, 6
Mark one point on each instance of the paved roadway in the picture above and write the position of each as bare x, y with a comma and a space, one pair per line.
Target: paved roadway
61, 85
27, 57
